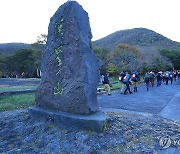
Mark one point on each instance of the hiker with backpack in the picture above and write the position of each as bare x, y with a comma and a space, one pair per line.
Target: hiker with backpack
151, 77
159, 78
127, 82
106, 83
171, 76
175, 75
135, 78
121, 79
178, 74
167, 77
147, 80
163, 77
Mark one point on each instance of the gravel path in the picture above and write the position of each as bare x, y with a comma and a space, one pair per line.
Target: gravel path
126, 133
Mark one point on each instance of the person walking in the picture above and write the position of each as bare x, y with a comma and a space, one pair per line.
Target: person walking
147, 80
175, 75
171, 77
178, 74
135, 78
127, 82
167, 76
151, 77
159, 78
163, 76
106, 83
121, 79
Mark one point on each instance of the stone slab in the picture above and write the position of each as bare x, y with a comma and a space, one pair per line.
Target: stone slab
95, 122
106, 110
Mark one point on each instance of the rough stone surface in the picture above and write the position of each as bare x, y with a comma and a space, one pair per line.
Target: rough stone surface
70, 69
126, 133
69, 121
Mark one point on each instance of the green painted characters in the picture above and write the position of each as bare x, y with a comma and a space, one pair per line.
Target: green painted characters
59, 26
57, 90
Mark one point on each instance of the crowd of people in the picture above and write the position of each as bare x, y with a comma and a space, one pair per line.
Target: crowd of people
130, 81
21, 74
15, 75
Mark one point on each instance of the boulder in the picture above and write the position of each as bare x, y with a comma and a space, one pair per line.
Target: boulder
70, 69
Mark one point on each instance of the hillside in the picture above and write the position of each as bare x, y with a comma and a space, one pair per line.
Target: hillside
9, 48
142, 38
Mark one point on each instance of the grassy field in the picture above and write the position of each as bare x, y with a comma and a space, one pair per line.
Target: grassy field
17, 101
23, 101
117, 85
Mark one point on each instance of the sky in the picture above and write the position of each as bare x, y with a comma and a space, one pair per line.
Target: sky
24, 20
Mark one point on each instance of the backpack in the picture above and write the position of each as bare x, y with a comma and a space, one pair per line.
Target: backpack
121, 76
167, 75
134, 78
159, 77
126, 78
151, 76
147, 77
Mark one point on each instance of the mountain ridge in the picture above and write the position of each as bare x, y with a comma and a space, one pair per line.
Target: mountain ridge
142, 38
139, 37
10, 48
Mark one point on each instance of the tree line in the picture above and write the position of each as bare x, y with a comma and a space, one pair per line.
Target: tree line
123, 58
26, 61
128, 58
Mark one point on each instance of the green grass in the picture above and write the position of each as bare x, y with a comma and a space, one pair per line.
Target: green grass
23, 101
117, 85
113, 85
112, 79
17, 101
17, 88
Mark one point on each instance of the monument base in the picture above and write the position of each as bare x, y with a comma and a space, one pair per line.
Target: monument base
95, 122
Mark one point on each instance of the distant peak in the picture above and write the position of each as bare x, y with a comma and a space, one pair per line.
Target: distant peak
137, 37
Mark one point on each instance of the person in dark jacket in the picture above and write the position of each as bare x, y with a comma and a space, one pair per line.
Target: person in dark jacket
135, 78
171, 77
106, 83
121, 79
159, 78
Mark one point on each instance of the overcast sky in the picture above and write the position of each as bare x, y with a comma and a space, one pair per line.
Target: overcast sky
24, 20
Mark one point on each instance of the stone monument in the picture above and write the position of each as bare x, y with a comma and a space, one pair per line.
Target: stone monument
67, 94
